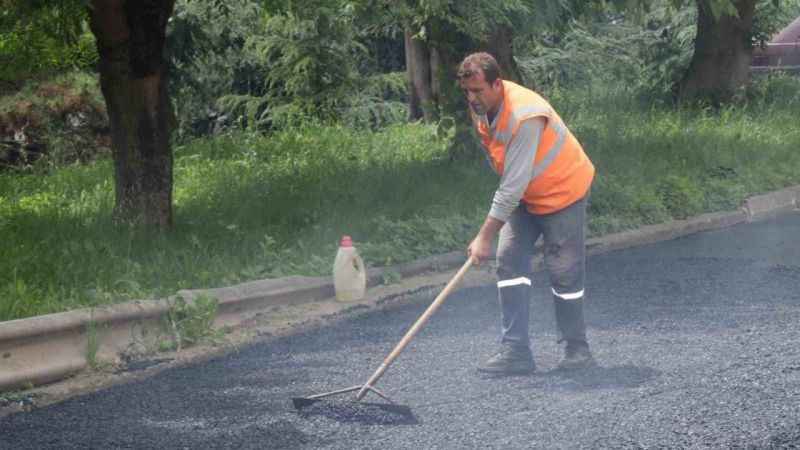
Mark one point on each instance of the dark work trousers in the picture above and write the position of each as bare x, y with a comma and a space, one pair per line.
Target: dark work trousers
565, 260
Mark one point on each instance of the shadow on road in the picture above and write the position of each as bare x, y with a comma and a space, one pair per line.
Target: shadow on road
363, 413
619, 377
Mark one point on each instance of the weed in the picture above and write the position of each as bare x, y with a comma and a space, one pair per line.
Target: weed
92, 343
19, 398
190, 322
681, 196
390, 277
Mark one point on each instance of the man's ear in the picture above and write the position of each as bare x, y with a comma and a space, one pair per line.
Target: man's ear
498, 83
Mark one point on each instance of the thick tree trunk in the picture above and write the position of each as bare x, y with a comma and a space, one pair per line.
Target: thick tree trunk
499, 45
421, 101
448, 46
133, 77
722, 53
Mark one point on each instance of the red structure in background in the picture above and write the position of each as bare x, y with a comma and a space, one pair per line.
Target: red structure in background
782, 52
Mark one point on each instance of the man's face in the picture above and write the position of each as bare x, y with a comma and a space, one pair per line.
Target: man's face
482, 97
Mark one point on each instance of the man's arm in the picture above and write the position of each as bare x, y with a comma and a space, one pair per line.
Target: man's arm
517, 174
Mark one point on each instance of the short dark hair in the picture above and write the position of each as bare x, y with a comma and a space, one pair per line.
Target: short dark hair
483, 61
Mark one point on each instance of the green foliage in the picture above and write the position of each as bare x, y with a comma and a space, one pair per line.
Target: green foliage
646, 46
718, 8
24, 400
236, 214
249, 206
419, 235
250, 110
379, 101
771, 16
92, 344
391, 277
775, 89
276, 66
311, 55
42, 38
647, 54
583, 54
478, 18
191, 322
209, 59
617, 195
680, 195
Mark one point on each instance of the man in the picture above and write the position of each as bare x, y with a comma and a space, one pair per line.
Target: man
544, 183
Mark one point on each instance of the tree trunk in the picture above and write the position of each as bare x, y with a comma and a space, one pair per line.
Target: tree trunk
722, 53
421, 102
133, 78
436, 73
499, 45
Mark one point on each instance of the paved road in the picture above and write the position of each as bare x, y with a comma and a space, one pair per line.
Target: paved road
698, 342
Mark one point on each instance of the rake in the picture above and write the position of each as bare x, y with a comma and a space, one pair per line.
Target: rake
369, 386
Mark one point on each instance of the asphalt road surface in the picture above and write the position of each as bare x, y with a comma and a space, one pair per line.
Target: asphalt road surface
697, 341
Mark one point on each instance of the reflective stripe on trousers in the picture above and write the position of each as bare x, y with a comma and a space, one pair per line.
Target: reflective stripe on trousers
564, 248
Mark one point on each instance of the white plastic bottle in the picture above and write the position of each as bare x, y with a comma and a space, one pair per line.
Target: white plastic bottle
349, 275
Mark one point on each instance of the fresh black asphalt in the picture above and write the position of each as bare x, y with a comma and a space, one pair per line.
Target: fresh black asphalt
697, 340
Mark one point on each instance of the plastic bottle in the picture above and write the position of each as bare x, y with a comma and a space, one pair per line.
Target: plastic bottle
349, 275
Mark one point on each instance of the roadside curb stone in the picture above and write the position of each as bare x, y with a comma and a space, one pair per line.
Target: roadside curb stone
48, 348
765, 205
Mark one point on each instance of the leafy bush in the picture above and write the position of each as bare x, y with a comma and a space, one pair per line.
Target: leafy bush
311, 55
648, 51
206, 48
380, 100
315, 72
585, 53
276, 66
646, 54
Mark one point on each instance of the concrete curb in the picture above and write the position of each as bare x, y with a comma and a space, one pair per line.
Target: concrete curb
43, 349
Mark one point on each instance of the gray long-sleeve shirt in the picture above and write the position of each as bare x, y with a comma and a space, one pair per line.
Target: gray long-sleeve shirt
518, 166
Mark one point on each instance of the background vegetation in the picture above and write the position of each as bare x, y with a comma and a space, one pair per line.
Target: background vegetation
292, 130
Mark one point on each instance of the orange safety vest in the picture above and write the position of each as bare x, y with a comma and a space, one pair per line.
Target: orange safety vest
562, 173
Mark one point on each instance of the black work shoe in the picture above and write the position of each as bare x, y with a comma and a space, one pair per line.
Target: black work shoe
510, 360
577, 356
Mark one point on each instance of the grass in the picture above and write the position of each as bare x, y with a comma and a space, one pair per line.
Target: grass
249, 206
246, 207
656, 163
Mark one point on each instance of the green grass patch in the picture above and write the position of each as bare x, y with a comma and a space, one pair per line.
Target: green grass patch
249, 206
246, 207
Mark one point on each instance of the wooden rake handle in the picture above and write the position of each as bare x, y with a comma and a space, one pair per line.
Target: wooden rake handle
415, 328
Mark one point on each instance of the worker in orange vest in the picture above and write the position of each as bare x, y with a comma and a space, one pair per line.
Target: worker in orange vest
545, 178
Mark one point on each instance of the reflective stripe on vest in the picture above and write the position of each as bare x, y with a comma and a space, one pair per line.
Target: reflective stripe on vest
505, 134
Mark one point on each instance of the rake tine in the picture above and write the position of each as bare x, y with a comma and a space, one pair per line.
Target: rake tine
328, 394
